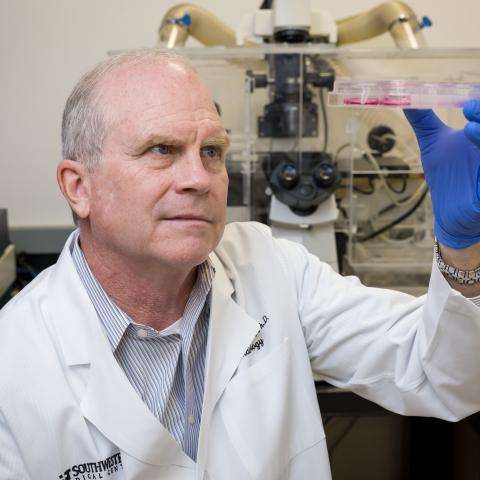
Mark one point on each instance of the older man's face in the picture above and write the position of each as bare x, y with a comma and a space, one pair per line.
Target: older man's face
159, 193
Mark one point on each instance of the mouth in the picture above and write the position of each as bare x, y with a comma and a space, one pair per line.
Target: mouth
189, 218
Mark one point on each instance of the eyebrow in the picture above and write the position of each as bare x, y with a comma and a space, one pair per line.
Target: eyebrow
155, 139
139, 146
218, 140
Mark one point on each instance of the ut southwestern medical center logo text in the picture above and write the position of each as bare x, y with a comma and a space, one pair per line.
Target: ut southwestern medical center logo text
94, 470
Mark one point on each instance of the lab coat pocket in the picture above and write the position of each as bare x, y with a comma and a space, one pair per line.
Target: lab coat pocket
269, 415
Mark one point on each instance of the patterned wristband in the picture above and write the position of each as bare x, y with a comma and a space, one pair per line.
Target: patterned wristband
462, 277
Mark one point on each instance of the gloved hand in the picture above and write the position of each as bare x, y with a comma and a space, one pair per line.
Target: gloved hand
451, 162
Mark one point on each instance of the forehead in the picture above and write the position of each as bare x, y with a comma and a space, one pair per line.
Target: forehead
143, 97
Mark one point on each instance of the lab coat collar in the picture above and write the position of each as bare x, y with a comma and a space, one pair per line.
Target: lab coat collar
109, 401
114, 407
73, 315
231, 331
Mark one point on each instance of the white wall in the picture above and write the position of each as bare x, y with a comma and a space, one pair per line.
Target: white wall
46, 45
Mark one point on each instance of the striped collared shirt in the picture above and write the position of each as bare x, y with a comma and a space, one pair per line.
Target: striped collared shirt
166, 368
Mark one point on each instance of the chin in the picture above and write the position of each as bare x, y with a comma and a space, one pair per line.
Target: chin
186, 256
184, 248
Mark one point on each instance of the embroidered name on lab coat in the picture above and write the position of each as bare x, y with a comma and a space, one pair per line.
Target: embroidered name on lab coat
94, 470
259, 343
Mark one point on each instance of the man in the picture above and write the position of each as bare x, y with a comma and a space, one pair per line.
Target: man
161, 347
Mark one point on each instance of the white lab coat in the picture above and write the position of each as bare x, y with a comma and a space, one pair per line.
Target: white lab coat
66, 408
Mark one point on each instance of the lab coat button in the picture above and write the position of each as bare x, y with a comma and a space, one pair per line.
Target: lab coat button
142, 333
191, 419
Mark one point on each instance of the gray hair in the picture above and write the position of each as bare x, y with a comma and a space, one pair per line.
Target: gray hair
84, 126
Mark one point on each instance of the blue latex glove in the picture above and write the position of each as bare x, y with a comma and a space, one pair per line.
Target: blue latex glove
451, 162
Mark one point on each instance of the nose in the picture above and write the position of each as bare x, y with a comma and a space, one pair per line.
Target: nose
191, 174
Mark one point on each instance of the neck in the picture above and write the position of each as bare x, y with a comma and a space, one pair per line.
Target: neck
150, 294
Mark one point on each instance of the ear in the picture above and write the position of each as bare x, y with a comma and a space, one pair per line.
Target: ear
74, 181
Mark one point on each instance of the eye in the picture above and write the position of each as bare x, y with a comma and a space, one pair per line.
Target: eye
211, 151
162, 149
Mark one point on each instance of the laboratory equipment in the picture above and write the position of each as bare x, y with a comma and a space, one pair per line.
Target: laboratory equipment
292, 22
